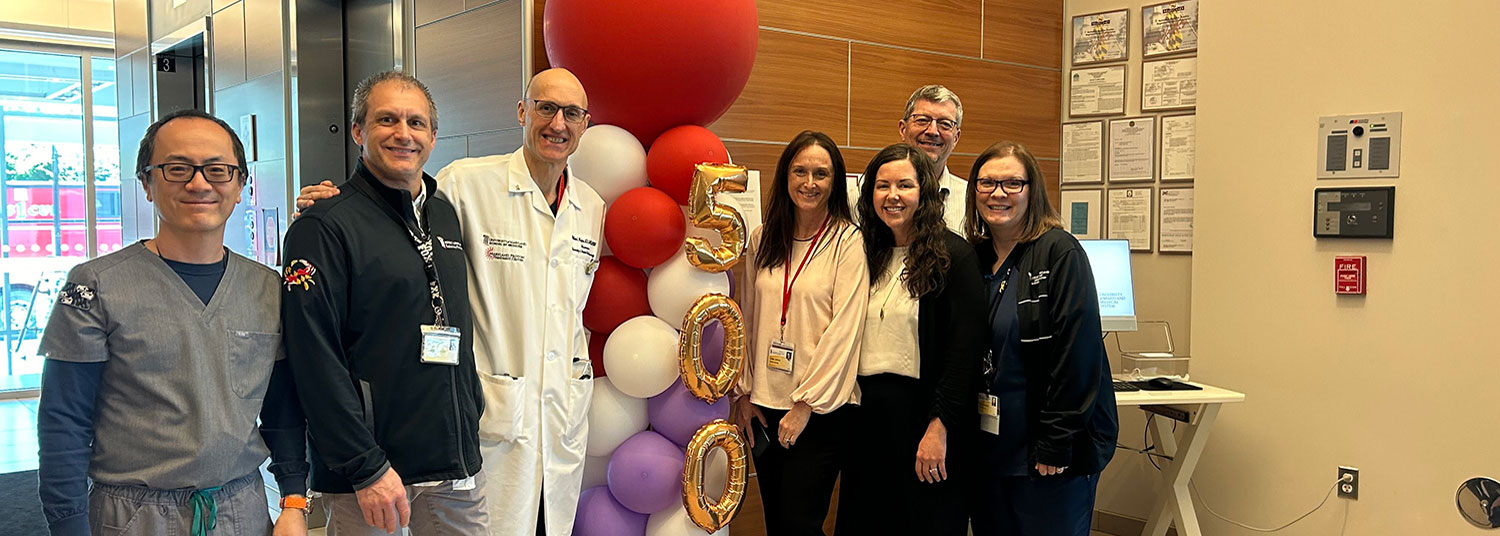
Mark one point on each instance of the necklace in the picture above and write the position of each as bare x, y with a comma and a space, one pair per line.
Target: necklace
891, 284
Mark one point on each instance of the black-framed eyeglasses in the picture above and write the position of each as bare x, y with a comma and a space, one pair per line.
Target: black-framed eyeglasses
923, 121
549, 109
181, 172
1009, 186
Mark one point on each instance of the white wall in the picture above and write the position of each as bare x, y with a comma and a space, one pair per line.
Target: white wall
1402, 382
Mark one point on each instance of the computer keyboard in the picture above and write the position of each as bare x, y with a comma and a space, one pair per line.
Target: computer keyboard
1124, 386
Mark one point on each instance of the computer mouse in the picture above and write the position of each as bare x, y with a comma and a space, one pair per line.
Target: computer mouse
1160, 384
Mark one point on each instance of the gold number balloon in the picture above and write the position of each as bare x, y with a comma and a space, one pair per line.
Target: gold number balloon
695, 376
714, 514
708, 181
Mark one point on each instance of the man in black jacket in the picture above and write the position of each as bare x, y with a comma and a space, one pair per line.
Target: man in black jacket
376, 316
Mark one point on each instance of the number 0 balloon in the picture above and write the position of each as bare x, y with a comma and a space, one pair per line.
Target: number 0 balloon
714, 514
695, 376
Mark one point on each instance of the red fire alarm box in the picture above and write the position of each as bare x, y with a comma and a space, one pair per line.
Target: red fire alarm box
1349, 275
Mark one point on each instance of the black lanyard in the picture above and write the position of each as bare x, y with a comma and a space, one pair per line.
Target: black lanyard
423, 242
988, 369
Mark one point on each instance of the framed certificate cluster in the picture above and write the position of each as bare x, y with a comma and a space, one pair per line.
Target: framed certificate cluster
1126, 173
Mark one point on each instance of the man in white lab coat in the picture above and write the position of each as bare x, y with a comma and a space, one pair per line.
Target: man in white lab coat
532, 234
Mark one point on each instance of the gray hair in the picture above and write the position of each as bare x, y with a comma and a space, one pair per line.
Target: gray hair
935, 94
362, 91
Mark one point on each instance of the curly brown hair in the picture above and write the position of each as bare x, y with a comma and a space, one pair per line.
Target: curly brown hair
927, 261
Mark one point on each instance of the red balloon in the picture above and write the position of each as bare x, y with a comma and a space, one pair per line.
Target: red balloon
596, 352
669, 163
644, 227
618, 294
650, 65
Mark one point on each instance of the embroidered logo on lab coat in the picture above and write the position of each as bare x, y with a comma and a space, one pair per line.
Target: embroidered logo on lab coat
76, 296
299, 273
504, 249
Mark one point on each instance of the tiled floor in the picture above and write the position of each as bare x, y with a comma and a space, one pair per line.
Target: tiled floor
17, 435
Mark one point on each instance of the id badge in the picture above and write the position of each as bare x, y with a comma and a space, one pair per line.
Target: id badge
989, 413
781, 356
440, 344
464, 485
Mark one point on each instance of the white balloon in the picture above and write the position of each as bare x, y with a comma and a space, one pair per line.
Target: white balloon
641, 356
613, 417
610, 159
595, 470
675, 522
675, 285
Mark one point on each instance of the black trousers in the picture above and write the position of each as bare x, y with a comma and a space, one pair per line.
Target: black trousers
879, 492
796, 484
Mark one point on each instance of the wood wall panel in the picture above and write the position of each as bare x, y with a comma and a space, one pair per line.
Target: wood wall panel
475, 84
1024, 31
496, 142
950, 26
1000, 101
797, 83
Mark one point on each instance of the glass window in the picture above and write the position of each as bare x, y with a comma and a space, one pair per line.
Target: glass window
44, 180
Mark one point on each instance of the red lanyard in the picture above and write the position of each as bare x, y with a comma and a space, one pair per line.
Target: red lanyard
786, 284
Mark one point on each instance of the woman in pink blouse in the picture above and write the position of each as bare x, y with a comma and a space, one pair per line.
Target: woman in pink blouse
806, 289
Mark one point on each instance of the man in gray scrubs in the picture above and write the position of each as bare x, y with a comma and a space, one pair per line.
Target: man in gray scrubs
161, 356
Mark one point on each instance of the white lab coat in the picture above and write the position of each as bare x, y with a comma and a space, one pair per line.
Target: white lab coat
529, 277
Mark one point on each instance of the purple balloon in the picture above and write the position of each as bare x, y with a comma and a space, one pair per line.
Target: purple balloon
677, 414
599, 514
712, 345
645, 473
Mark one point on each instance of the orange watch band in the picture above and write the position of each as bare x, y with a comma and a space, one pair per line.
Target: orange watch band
296, 501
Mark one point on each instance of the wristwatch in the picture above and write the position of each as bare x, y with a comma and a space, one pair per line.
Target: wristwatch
297, 501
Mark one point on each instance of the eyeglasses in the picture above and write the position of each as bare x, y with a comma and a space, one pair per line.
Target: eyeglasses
923, 121
180, 172
549, 109
1009, 186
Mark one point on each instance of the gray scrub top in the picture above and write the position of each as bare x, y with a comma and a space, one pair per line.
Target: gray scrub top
183, 383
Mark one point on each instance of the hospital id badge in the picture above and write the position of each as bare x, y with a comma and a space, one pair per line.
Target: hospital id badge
781, 356
989, 413
440, 344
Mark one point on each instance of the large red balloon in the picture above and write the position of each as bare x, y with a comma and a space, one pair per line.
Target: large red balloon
669, 163
650, 65
644, 227
618, 294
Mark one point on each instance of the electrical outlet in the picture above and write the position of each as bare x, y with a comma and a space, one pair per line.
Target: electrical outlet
1349, 489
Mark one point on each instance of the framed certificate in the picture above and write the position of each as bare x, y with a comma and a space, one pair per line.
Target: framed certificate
1083, 153
1130, 217
1176, 220
1097, 91
1082, 212
1169, 84
1169, 28
1131, 141
1101, 37
1177, 148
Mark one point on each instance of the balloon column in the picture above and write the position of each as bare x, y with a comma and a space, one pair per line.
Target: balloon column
666, 337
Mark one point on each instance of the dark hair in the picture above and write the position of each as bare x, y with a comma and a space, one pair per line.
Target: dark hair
781, 214
361, 102
927, 261
148, 143
1040, 216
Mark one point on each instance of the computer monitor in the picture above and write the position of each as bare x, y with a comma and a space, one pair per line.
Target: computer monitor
1110, 260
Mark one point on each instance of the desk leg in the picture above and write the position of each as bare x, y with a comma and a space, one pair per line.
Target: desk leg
1173, 499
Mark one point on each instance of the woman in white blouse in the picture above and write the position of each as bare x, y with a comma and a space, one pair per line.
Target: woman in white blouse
804, 302
919, 364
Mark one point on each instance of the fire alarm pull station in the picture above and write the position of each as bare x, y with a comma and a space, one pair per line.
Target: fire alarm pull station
1368, 212
1349, 275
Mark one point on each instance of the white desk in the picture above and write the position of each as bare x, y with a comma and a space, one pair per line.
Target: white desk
1197, 409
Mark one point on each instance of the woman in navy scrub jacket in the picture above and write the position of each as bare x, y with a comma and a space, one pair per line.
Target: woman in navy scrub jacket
1047, 409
